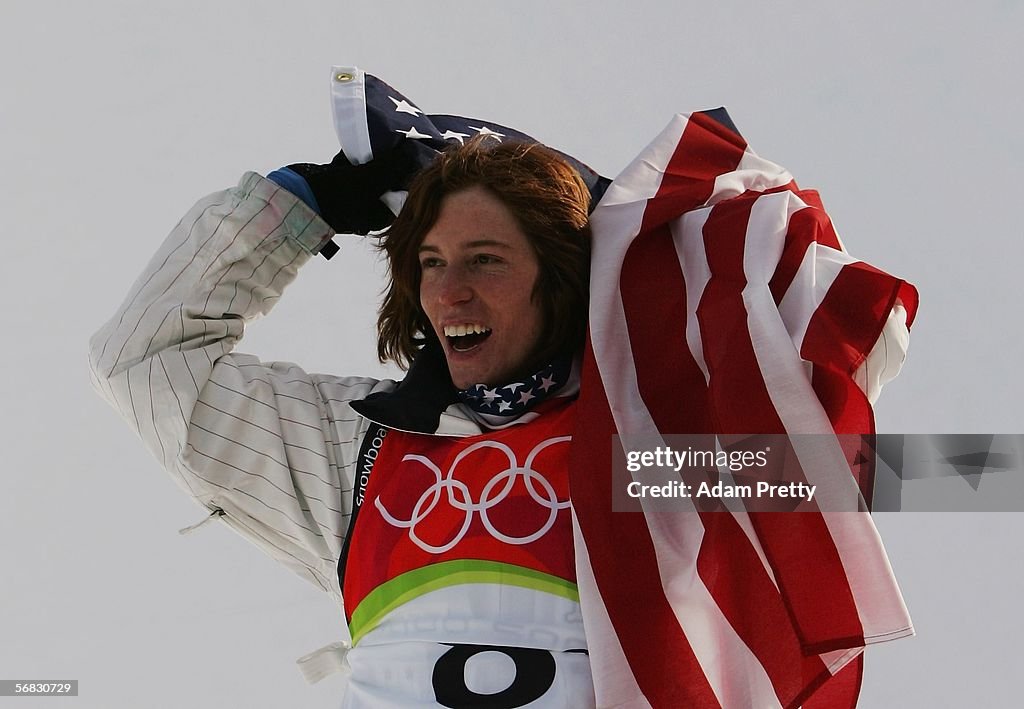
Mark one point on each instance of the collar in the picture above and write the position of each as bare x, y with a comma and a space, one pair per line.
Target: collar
419, 401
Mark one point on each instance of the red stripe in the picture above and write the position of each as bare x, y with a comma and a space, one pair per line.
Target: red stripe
733, 372
850, 318
807, 226
849, 412
908, 296
811, 578
651, 283
835, 692
654, 300
844, 402
706, 150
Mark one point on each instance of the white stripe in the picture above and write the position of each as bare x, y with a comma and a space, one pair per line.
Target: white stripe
837, 660
638, 182
688, 237
753, 173
867, 569
886, 358
348, 107
733, 672
818, 270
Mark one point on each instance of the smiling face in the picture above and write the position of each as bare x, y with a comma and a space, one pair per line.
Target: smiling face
478, 271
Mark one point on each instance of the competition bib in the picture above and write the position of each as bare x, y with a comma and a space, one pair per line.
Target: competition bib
460, 582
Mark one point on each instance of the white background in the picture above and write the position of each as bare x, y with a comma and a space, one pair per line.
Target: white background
116, 116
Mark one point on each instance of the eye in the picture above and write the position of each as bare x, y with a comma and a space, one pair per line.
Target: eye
485, 259
430, 262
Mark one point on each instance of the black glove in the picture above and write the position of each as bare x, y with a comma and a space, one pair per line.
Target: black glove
349, 195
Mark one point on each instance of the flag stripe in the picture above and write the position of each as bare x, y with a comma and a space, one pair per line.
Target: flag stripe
736, 578
848, 408
688, 238
722, 314
813, 279
834, 692
661, 354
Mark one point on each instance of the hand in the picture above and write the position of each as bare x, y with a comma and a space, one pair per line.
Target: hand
348, 196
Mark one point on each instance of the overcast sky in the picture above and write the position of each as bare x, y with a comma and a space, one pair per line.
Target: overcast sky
116, 116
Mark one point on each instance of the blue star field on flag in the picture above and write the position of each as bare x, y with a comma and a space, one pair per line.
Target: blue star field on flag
391, 118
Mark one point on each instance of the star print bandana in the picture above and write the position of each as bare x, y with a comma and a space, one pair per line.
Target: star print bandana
501, 404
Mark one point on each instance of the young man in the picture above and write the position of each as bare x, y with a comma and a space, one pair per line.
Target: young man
458, 574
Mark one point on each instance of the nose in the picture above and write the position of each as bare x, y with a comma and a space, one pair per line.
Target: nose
453, 287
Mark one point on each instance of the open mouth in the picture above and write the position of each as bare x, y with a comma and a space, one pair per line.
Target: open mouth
463, 338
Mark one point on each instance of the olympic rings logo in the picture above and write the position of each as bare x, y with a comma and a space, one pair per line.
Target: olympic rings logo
459, 497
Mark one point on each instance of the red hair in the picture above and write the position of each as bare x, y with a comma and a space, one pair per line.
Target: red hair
549, 200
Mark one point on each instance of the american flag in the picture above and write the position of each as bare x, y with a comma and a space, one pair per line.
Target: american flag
722, 302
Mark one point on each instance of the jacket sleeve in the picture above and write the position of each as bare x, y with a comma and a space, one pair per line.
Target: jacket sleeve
268, 447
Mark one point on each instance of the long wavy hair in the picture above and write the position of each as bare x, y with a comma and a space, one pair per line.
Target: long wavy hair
550, 203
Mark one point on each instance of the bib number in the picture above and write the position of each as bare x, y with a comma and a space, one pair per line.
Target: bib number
534, 675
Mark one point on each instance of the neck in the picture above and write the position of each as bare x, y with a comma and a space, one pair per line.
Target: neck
515, 398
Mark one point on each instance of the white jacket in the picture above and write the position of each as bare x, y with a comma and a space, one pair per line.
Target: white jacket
267, 446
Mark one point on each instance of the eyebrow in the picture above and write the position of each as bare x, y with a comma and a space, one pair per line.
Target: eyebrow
470, 245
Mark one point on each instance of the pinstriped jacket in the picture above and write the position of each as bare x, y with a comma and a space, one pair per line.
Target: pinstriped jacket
267, 446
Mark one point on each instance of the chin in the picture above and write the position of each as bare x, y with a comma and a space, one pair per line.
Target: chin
465, 382
459, 379
465, 379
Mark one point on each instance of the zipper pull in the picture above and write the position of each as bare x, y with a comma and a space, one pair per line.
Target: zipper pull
218, 512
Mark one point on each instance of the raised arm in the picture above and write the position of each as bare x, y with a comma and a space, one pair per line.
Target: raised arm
267, 446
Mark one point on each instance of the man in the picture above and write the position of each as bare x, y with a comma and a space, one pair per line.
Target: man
459, 577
